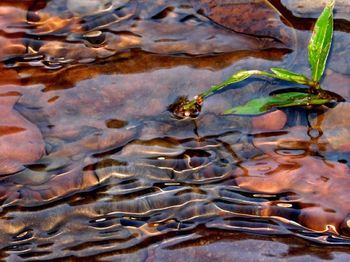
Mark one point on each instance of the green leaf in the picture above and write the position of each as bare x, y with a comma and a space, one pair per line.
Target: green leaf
287, 75
262, 105
235, 78
320, 42
279, 73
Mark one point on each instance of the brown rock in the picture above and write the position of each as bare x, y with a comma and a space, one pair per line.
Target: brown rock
20, 141
271, 121
318, 187
321, 188
335, 124
8, 76
254, 17
11, 15
310, 8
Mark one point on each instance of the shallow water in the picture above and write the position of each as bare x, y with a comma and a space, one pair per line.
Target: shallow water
121, 179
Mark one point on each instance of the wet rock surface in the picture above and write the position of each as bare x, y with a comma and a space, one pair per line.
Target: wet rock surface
21, 141
312, 9
101, 29
334, 123
234, 14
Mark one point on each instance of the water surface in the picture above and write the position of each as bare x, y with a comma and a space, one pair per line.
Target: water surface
121, 178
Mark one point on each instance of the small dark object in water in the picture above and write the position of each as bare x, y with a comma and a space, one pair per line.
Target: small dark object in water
180, 111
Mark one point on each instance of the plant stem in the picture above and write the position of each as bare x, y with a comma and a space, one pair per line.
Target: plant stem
315, 87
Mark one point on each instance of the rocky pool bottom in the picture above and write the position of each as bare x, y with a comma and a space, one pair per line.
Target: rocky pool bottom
94, 166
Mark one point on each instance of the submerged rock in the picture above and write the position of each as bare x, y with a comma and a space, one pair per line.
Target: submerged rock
335, 125
320, 188
312, 9
21, 141
271, 121
306, 187
84, 31
253, 17
10, 14
88, 7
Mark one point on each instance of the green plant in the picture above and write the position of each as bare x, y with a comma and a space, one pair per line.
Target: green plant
318, 50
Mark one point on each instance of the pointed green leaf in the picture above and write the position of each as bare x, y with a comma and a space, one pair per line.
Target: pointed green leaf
262, 105
287, 75
320, 42
235, 78
253, 107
